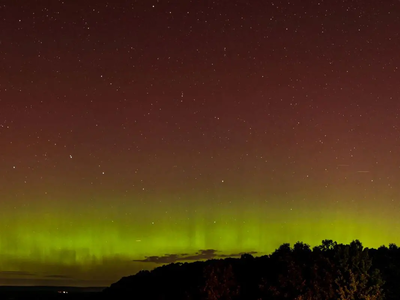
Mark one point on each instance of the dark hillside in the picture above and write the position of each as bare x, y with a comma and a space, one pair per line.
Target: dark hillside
329, 271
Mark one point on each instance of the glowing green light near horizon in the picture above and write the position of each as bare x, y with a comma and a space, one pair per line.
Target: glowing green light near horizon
65, 240
103, 240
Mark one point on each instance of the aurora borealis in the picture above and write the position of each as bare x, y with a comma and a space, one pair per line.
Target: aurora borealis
132, 130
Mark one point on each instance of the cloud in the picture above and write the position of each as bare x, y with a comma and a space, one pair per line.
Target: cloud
184, 257
58, 276
23, 274
241, 253
96, 272
15, 273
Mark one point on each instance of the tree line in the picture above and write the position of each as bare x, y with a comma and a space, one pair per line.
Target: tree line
330, 271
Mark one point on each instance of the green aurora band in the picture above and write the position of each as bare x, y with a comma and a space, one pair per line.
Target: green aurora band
44, 236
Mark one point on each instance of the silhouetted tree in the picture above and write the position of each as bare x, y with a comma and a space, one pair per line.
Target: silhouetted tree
354, 279
387, 261
220, 282
329, 271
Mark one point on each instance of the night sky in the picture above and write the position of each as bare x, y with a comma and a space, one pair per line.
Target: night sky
136, 133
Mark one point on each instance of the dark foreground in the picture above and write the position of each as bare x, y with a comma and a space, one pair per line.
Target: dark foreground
49, 293
330, 271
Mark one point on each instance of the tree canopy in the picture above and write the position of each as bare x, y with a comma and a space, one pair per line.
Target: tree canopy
328, 271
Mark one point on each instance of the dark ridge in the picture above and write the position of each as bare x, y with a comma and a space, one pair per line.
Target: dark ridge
330, 271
